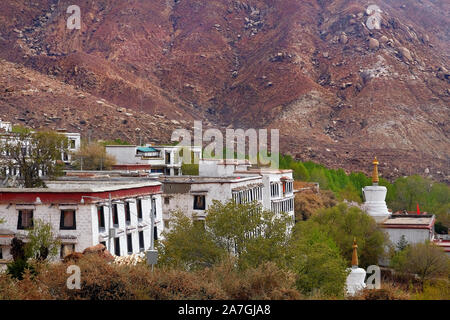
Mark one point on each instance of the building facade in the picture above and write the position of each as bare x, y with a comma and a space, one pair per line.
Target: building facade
193, 195
85, 213
162, 159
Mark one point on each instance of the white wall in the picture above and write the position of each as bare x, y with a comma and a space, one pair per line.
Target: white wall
87, 228
411, 235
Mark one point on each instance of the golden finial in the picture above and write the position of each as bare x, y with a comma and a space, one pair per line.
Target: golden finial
355, 254
375, 172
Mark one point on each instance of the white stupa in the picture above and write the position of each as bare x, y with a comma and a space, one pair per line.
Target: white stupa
357, 276
375, 196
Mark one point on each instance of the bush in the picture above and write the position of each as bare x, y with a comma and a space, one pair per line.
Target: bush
18, 267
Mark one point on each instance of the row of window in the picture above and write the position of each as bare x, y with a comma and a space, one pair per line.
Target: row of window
274, 190
288, 187
283, 206
127, 209
249, 195
130, 242
67, 220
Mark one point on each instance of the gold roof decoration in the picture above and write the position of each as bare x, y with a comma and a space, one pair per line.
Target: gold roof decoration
375, 172
355, 254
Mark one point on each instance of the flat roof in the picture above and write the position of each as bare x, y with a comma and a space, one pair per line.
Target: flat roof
79, 185
207, 179
409, 221
265, 171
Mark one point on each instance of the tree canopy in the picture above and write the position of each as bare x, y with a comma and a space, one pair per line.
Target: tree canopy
32, 153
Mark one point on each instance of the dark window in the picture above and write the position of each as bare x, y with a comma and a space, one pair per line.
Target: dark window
103, 243
199, 202
115, 213
129, 244
155, 233
139, 208
25, 220
141, 240
166, 200
101, 216
117, 246
72, 144
1, 253
67, 221
66, 249
127, 213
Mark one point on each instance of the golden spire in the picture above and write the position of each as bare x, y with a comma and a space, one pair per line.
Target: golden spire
375, 172
355, 254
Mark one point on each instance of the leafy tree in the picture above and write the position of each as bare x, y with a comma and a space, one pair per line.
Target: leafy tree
93, 156
318, 175
427, 260
32, 152
343, 223
316, 259
350, 193
188, 245
17, 267
247, 231
402, 244
300, 172
42, 242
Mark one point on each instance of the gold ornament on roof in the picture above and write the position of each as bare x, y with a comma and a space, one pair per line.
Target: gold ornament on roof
355, 254
375, 172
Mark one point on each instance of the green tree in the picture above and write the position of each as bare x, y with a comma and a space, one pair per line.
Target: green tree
188, 245
249, 232
300, 172
402, 244
343, 224
316, 259
92, 156
34, 152
427, 260
42, 242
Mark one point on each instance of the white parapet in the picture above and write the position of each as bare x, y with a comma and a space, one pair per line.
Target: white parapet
374, 202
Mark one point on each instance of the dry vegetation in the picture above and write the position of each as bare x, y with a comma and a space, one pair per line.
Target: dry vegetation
101, 280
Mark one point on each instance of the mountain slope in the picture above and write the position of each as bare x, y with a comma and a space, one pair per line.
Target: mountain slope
339, 92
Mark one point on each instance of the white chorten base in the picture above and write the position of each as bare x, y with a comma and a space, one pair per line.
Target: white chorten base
355, 280
375, 204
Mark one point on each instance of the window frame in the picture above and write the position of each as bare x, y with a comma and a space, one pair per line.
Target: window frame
62, 219
20, 219
203, 206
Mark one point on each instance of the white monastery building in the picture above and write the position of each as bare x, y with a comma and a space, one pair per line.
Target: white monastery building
224, 180
83, 213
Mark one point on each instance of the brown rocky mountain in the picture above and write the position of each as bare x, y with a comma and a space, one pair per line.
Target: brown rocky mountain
339, 92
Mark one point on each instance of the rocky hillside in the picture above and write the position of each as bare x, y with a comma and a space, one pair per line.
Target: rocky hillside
339, 92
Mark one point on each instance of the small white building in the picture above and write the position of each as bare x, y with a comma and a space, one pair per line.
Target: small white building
74, 140
83, 213
5, 126
162, 159
415, 228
